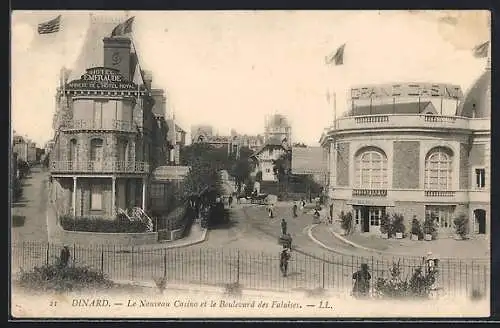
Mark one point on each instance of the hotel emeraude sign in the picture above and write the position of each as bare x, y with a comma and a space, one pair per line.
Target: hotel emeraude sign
102, 78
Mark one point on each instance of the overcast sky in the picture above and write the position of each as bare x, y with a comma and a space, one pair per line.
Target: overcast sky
230, 69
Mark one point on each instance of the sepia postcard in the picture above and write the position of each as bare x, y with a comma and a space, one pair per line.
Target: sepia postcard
250, 164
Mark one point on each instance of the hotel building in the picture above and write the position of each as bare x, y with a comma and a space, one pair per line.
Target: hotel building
110, 129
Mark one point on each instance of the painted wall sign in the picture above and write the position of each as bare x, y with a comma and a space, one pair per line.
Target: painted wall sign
402, 90
370, 202
168, 173
102, 78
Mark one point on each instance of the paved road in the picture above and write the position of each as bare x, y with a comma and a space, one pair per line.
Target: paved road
33, 207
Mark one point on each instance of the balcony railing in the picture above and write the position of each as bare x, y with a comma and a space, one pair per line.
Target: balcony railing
99, 167
410, 121
439, 193
107, 125
370, 192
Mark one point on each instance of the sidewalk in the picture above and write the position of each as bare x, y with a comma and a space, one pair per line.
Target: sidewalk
478, 248
57, 235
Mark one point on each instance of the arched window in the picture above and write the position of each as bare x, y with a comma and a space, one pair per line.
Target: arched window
73, 150
438, 169
371, 169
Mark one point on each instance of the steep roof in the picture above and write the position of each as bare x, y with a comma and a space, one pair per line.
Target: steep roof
92, 50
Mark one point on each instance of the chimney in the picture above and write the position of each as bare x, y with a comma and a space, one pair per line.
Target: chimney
117, 55
148, 78
159, 102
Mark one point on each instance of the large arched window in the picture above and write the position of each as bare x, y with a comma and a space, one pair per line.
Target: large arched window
438, 169
371, 169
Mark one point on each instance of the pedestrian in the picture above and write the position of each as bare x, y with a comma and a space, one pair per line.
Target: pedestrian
283, 227
230, 200
270, 211
65, 256
331, 213
303, 204
361, 280
294, 209
284, 258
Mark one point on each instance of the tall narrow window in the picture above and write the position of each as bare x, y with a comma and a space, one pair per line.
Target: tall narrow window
438, 169
371, 169
96, 198
98, 104
480, 178
96, 154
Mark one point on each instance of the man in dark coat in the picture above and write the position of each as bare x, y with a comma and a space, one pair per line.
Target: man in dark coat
294, 210
283, 227
361, 279
284, 258
65, 256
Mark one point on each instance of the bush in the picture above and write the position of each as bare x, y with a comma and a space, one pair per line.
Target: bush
62, 278
346, 222
429, 227
398, 224
416, 228
461, 225
101, 225
385, 225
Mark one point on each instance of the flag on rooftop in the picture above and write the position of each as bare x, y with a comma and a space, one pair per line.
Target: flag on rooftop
52, 26
481, 51
123, 28
337, 57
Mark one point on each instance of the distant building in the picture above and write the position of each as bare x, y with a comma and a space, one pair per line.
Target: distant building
24, 148
265, 156
278, 127
177, 140
233, 143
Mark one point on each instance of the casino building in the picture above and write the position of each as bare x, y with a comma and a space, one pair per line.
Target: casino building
412, 148
110, 129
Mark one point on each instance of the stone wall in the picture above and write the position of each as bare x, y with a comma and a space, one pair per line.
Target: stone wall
343, 164
463, 178
406, 166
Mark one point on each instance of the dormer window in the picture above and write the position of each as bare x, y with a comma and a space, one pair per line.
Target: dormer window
473, 110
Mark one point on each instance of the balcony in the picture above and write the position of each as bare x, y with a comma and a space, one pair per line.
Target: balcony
99, 167
398, 121
370, 192
439, 193
109, 125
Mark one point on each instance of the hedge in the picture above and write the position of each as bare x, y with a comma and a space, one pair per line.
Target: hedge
101, 225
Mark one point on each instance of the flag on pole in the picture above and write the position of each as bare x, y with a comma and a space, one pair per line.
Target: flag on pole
123, 28
52, 26
337, 57
481, 51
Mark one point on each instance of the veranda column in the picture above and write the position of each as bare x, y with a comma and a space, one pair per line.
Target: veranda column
74, 196
144, 182
113, 197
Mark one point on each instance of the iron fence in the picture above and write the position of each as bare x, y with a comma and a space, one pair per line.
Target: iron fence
250, 269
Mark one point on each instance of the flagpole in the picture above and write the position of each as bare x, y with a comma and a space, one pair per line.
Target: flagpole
335, 110
441, 110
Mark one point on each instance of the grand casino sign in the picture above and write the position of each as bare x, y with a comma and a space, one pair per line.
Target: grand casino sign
102, 80
406, 90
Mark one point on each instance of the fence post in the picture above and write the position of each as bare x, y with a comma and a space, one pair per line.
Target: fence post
132, 253
238, 268
47, 257
102, 259
201, 278
323, 273
165, 263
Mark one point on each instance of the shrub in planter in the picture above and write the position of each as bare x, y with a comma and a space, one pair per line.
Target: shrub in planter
398, 225
346, 222
416, 230
461, 225
429, 228
385, 226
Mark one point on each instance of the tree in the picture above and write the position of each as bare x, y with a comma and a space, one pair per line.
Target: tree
205, 162
241, 168
300, 144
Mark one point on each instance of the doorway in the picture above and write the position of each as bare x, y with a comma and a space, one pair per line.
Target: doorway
368, 217
480, 221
